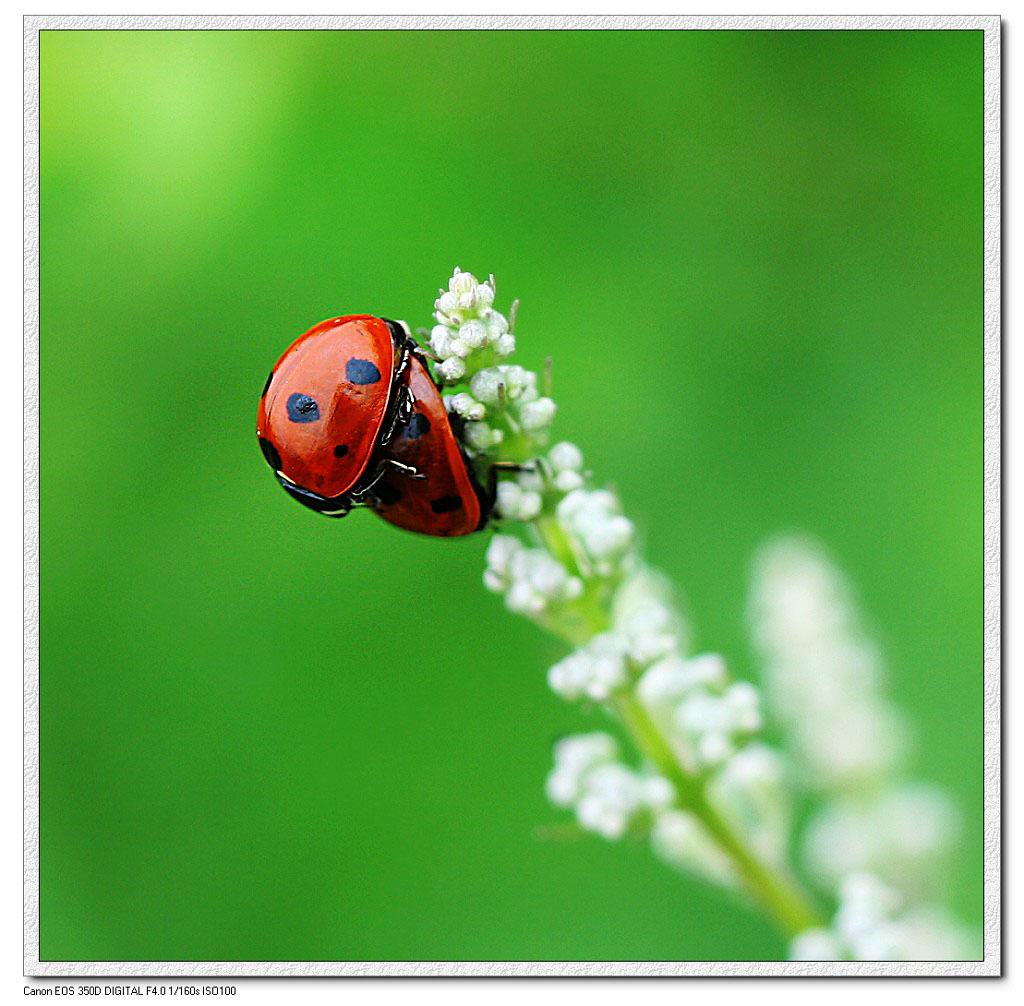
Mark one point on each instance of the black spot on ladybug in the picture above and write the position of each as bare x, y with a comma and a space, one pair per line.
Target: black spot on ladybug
446, 504
270, 377
417, 426
361, 372
270, 453
302, 408
340, 451
387, 493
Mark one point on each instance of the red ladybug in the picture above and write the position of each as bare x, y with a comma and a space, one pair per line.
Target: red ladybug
429, 485
332, 400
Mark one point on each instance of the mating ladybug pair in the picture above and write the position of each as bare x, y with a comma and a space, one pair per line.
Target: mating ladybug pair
351, 416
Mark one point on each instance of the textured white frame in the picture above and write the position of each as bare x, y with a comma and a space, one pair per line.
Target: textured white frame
990, 966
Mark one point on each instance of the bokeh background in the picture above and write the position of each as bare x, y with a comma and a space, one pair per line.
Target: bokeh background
756, 259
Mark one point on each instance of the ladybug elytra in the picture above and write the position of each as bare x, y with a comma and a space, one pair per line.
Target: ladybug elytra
447, 501
350, 415
331, 400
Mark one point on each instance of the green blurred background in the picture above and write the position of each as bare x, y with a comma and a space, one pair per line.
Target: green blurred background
756, 258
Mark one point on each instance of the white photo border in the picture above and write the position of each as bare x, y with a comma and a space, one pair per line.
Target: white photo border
991, 963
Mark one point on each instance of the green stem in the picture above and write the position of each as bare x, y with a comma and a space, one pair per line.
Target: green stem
587, 616
556, 541
772, 887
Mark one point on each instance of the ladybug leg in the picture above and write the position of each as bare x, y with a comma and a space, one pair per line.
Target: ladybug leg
406, 470
358, 496
513, 466
426, 353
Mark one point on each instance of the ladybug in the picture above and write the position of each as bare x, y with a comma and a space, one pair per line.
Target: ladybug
429, 485
333, 399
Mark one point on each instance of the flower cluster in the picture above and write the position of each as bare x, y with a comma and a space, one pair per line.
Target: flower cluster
707, 717
642, 629
602, 537
607, 796
502, 406
541, 484
873, 923
822, 673
468, 325
611, 800
872, 828
709, 794
904, 834
532, 581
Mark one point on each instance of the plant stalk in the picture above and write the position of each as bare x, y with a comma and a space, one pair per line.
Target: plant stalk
774, 889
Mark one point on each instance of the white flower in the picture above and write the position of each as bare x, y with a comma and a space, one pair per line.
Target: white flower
613, 797
575, 756
481, 437
567, 481
565, 457
461, 282
716, 722
743, 701
823, 679
593, 518
902, 835
500, 552
530, 479
537, 415
714, 747
872, 925
497, 324
594, 670
657, 791
452, 369
530, 579
484, 296
486, 384
670, 679
608, 796
651, 628
467, 324
864, 903
515, 503
467, 406
822, 673
440, 340
701, 713
519, 383
473, 334
505, 345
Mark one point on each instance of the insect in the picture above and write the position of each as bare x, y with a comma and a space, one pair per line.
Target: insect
447, 500
351, 416
333, 399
